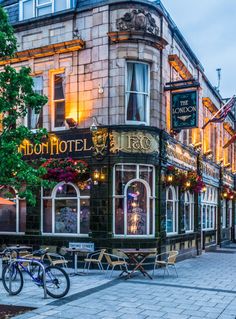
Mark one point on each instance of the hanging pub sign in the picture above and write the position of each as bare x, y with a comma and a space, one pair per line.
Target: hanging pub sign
184, 110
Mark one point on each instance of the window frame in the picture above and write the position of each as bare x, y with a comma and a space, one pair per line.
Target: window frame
52, 101
175, 203
41, 111
53, 198
147, 109
209, 201
191, 211
36, 6
17, 205
150, 196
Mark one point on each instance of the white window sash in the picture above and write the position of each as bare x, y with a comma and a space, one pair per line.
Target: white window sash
146, 94
37, 6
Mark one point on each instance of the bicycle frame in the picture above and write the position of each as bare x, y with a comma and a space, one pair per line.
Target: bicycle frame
19, 262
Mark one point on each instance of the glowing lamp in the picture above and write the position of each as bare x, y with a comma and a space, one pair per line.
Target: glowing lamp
96, 174
188, 184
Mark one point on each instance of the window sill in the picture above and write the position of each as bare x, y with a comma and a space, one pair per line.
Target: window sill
171, 234
133, 236
64, 235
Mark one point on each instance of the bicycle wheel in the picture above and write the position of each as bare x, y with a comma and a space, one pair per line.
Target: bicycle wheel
57, 282
16, 279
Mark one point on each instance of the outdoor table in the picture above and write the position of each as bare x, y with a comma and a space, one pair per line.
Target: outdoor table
136, 258
75, 252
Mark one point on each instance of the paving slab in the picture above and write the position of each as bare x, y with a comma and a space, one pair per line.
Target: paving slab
205, 288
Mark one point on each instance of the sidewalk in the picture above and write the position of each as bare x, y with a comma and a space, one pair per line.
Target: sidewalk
205, 288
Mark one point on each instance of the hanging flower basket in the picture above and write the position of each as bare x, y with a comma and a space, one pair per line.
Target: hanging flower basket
66, 170
227, 193
187, 181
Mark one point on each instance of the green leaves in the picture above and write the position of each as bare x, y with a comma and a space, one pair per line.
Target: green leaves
7, 39
16, 96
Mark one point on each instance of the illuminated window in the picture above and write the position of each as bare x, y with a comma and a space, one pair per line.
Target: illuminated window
137, 93
171, 210
134, 200
66, 210
36, 8
12, 217
58, 101
35, 120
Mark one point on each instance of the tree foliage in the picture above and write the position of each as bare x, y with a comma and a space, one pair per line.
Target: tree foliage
16, 96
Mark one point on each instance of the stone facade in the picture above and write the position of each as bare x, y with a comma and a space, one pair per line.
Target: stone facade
91, 44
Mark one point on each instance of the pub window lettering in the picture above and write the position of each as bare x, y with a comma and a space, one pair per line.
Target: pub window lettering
137, 93
36, 8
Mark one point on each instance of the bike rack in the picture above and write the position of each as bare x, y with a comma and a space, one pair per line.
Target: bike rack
30, 261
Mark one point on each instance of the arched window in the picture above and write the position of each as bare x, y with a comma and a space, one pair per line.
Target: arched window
171, 210
188, 211
133, 200
12, 217
66, 210
137, 208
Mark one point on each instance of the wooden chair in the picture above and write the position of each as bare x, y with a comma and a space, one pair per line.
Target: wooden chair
56, 260
119, 261
90, 259
168, 261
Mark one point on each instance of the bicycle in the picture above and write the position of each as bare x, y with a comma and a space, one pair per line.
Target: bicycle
57, 282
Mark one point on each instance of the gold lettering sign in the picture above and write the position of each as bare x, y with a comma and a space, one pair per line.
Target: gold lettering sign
210, 171
177, 154
55, 146
134, 142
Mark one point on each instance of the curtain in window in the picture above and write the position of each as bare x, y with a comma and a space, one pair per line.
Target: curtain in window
137, 89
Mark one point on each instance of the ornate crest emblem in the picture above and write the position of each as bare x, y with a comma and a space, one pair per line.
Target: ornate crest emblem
138, 20
99, 139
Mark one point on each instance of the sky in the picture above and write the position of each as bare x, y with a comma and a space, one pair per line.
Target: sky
209, 26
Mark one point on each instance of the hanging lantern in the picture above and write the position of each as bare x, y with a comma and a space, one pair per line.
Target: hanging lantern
96, 175
169, 178
188, 184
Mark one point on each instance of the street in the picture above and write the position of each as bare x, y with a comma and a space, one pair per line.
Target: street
205, 288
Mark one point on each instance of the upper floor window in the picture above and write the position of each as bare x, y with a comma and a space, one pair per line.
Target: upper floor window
137, 93
58, 101
36, 8
35, 120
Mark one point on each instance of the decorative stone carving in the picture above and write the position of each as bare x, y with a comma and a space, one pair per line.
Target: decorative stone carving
138, 20
99, 139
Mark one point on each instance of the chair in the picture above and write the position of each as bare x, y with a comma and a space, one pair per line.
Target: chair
56, 259
90, 259
119, 261
169, 261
